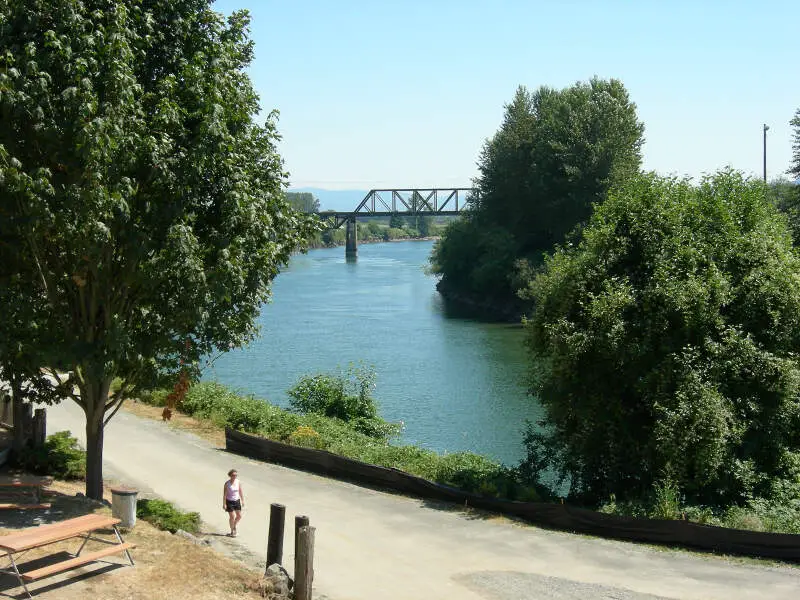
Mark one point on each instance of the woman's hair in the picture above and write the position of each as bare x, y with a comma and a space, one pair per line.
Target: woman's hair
232, 471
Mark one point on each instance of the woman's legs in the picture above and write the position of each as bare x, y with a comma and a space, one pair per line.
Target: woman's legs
235, 521
232, 520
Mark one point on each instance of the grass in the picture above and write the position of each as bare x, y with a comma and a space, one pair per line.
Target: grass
223, 407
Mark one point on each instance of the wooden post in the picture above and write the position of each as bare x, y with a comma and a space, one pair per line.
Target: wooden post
304, 564
39, 427
299, 521
277, 516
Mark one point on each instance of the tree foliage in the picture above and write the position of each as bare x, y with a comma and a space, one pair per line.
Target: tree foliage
149, 200
304, 202
556, 154
785, 195
397, 221
664, 345
794, 170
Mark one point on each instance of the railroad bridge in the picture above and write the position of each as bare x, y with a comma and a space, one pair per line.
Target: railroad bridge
401, 201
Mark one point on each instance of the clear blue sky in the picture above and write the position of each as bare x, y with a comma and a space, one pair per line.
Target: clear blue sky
385, 93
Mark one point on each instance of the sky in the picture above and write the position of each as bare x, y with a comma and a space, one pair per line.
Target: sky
397, 94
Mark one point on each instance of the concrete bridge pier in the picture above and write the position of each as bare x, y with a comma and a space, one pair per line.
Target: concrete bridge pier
351, 241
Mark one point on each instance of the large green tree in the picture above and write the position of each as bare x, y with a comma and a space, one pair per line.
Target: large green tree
149, 199
664, 345
556, 154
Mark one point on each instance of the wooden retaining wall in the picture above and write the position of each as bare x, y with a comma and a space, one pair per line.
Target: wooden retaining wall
558, 516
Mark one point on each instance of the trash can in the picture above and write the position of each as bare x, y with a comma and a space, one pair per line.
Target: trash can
123, 505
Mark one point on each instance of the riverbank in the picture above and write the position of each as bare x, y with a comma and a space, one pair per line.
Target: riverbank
478, 308
220, 407
216, 404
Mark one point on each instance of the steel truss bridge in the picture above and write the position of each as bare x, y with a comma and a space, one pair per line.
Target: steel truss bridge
407, 201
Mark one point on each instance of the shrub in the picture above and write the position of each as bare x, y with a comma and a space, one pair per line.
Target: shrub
165, 516
666, 503
154, 397
344, 396
308, 438
394, 233
60, 457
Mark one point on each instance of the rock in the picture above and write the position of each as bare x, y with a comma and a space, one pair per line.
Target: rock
277, 582
278, 571
195, 540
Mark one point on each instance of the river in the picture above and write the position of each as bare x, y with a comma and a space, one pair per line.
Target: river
456, 383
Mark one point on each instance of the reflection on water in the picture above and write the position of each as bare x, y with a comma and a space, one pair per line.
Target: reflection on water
457, 384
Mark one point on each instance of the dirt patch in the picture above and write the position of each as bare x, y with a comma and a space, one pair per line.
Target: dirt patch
201, 428
167, 566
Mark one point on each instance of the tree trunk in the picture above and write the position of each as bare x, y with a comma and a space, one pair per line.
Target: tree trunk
94, 396
94, 456
17, 412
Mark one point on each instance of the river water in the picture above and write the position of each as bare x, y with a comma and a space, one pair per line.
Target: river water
457, 384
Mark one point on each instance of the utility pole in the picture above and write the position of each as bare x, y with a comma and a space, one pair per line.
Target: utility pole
766, 128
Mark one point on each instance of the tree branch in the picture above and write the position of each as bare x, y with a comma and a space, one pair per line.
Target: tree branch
114, 411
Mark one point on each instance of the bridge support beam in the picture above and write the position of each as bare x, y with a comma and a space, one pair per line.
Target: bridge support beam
351, 240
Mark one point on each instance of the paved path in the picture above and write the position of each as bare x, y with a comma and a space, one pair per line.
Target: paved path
376, 545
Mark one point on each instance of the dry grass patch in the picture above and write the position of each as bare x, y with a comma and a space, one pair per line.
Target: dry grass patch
201, 428
167, 566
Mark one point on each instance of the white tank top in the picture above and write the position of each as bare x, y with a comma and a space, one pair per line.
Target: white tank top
232, 490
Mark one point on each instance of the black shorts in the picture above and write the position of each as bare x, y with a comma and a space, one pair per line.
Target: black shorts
232, 505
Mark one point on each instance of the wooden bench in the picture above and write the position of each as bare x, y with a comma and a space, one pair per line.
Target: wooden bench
16, 544
24, 484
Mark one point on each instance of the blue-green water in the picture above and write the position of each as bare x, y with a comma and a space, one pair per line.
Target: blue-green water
457, 384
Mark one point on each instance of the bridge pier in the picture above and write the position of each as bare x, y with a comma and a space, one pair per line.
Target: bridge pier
351, 240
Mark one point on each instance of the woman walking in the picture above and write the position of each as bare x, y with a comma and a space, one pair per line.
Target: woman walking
233, 499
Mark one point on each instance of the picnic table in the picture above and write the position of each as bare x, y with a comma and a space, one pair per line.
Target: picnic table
16, 544
24, 484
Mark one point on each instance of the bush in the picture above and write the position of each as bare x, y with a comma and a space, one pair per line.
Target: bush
60, 457
165, 516
344, 396
154, 397
394, 233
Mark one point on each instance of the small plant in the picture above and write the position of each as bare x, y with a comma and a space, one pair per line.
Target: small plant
666, 502
165, 516
306, 437
60, 457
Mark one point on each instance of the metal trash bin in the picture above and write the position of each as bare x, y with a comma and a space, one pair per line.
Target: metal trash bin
123, 505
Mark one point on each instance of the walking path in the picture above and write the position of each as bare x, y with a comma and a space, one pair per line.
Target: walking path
371, 544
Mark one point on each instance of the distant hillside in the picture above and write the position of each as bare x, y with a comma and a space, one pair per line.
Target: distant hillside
338, 200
